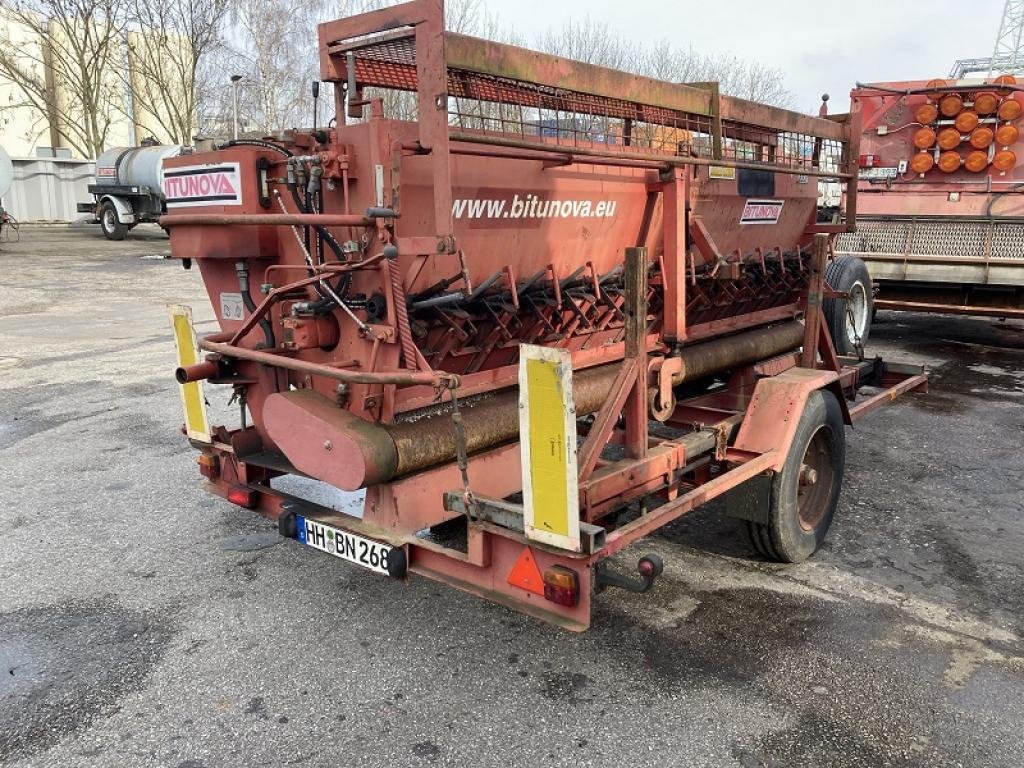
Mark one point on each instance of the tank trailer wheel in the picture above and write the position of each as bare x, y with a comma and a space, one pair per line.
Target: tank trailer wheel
805, 493
849, 321
111, 225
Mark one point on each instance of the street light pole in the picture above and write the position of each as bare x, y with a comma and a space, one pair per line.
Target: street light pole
235, 79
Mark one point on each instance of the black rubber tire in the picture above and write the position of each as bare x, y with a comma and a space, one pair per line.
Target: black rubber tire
786, 538
111, 225
846, 274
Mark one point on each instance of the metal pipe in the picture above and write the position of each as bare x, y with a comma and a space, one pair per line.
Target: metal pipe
364, 453
271, 219
429, 441
542, 157
188, 373
400, 378
490, 422
720, 354
671, 160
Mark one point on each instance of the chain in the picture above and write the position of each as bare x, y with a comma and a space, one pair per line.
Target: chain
462, 456
858, 343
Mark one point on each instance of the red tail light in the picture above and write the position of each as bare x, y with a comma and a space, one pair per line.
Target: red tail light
243, 497
561, 586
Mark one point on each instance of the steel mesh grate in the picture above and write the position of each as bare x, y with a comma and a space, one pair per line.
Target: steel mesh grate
944, 238
960, 239
1008, 241
534, 111
875, 237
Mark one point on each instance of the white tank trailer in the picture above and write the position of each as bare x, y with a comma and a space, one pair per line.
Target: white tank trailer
129, 187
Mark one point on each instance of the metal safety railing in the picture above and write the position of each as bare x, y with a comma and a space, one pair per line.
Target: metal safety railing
501, 94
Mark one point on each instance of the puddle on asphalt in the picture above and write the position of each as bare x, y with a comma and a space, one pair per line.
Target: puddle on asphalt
976, 378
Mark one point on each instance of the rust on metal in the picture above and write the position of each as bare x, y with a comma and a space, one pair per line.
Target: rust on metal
532, 200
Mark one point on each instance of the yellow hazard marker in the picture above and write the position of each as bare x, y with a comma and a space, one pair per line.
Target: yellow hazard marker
197, 423
547, 439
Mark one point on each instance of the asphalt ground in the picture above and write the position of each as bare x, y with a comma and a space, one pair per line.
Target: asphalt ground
144, 623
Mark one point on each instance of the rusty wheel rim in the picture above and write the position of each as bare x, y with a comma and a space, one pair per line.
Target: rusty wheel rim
814, 480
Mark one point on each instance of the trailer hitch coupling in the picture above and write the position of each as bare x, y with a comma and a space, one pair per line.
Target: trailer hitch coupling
650, 568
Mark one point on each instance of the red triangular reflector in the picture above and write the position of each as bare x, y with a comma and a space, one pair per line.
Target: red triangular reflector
525, 574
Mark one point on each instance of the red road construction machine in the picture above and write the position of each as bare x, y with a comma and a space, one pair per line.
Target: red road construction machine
554, 310
940, 219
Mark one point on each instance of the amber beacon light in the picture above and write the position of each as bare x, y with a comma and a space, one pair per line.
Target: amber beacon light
922, 162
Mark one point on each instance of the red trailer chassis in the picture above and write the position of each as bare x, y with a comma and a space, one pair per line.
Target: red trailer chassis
662, 235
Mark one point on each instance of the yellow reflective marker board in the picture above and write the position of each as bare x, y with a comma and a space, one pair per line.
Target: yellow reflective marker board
547, 439
197, 423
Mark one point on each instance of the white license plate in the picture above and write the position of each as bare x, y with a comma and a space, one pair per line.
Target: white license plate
370, 554
874, 174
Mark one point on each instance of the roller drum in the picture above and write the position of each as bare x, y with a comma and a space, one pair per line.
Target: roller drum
352, 453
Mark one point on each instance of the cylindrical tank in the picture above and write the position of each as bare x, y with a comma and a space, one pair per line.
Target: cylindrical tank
135, 167
6, 172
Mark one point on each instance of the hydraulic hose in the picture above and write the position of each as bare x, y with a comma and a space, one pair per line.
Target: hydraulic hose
343, 283
243, 286
257, 143
321, 230
325, 236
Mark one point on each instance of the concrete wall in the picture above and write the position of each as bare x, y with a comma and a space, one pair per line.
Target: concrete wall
46, 189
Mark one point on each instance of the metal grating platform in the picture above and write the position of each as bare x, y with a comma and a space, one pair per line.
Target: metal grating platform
961, 239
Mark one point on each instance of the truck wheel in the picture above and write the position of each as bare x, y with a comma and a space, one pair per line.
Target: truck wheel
849, 321
805, 493
111, 225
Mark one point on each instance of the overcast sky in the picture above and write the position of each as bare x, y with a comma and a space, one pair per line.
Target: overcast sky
820, 47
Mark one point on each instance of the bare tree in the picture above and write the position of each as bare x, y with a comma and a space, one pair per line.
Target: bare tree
595, 42
167, 42
67, 70
592, 42
271, 45
737, 77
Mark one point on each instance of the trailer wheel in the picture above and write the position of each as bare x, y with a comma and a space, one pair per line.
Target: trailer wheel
111, 225
805, 493
849, 322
